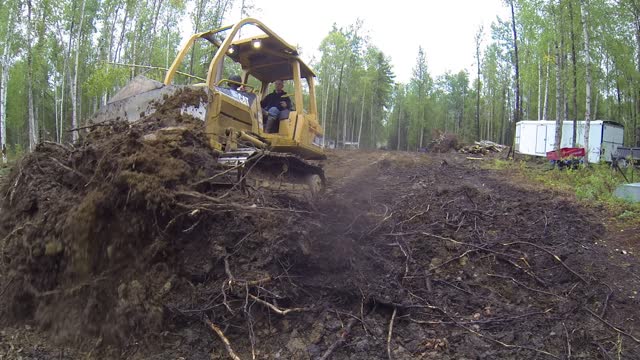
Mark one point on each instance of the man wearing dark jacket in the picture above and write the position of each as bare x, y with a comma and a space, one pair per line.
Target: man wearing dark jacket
277, 106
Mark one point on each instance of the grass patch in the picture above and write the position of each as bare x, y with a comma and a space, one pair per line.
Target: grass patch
592, 185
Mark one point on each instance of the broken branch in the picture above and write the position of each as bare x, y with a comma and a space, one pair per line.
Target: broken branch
393, 318
555, 257
224, 339
275, 308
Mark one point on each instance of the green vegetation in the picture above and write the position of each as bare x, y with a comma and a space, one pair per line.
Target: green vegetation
592, 185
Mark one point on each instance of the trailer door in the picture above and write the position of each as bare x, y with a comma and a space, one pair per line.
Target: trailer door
612, 137
541, 139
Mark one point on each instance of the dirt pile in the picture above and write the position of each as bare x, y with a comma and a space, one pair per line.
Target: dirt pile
122, 235
443, 142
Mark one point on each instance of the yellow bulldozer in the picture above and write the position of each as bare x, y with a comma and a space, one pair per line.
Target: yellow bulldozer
235, 121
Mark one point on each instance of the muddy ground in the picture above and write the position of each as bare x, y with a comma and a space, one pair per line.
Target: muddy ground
125, 246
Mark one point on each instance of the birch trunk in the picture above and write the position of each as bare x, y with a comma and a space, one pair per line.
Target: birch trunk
3, 114
574, 95
337, 113
545, 109
540, 90
344, 123
559, 110
362, 114
4, 84
636, 16
33, 130
374, 143
587, 60
74, 85
3, 102
399, 119
517, 112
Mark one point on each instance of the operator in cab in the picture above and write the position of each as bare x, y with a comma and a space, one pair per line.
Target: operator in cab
276, 106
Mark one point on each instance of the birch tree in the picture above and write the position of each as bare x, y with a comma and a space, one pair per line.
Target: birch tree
478, 41
4, 78
587, 56
33, 127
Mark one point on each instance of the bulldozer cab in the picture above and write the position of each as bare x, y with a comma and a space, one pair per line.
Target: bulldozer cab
263, 59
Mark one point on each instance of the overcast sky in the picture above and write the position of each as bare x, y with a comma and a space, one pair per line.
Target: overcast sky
445, 28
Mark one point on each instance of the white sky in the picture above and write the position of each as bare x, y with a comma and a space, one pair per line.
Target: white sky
445, 28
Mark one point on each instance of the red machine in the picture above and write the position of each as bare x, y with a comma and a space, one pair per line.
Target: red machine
567, 157
566, 153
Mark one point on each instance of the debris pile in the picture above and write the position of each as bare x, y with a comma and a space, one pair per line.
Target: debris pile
443, 142
483, 147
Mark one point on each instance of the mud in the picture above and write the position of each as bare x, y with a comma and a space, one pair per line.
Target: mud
124, 246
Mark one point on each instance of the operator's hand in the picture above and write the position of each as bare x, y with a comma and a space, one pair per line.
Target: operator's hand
283, 104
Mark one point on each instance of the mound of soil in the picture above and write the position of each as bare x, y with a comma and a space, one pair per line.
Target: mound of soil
126, 245
443, 142
122, 235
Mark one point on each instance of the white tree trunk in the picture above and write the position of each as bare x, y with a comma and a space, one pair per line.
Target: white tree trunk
55, 109
399, 119
545, 109
540, 90
559, 111
33, 130
3, 99
74, 85
4, 86
374, 143
587, 60
362, 114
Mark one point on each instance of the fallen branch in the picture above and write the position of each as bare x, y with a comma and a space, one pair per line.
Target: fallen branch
454, 286
566, 334
526, 271
275, 308
480, 322
524, 286
91, 126
556, 257
508, 346
453, 259
218, 175
224, 339
616, 329
415, 216
606, 301
83, 176
227, 269
393, 318
342, 336
481, 248
230, 205
604, 352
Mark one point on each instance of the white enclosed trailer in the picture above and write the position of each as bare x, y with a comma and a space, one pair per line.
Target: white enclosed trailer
538, 137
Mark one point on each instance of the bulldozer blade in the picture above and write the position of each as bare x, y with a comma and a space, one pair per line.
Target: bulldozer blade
143, 96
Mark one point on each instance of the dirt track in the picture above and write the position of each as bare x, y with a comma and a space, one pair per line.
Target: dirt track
407, 256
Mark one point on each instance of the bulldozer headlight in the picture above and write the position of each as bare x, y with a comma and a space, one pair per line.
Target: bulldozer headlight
256, 44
